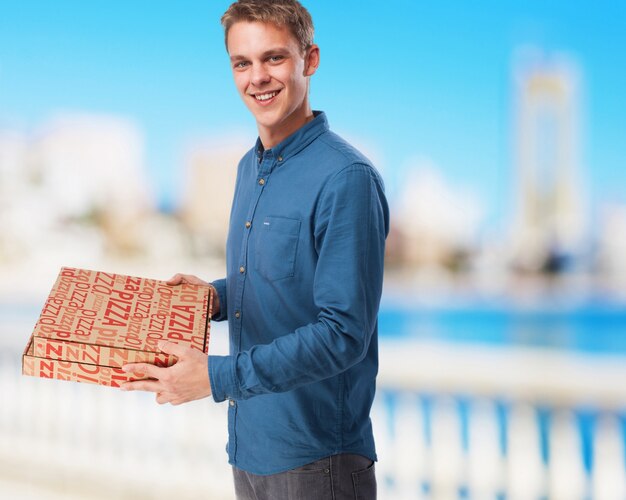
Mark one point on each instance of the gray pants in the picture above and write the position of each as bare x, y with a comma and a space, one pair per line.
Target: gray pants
340, 477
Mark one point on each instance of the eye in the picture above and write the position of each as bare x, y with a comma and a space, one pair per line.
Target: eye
276, 58
240, 64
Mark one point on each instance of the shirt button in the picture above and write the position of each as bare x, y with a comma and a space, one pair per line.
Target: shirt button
231, 403
261, 182
280, 158
242, 269
237, 314
248, 224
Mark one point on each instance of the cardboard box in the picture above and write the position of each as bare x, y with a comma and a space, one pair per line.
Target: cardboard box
94, 322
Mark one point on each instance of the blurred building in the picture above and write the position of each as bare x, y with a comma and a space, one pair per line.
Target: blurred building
211, 169
549, 226
611, 243
13, 148
93, 167
14, 192
78, 182
435, 224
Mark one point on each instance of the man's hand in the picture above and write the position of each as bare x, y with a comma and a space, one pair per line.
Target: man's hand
186, 380
179, 279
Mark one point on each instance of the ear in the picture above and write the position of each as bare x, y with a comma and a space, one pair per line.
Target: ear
311, 60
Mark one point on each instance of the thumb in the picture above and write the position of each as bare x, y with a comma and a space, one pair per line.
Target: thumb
177, 279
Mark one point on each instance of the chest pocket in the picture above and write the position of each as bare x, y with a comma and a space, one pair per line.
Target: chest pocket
276, 247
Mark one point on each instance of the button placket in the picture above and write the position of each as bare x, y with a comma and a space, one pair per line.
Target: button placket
264, 169
264, 172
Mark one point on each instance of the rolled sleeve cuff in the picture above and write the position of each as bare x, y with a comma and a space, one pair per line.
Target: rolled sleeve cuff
222, 378
220, 288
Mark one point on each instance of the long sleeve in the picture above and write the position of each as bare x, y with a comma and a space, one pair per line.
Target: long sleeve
350, 225
220, 288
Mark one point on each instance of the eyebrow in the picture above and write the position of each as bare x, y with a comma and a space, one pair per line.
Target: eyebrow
275, 50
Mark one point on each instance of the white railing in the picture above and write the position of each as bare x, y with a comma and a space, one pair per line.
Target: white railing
98, 442
460, 455
450, 422
485, 423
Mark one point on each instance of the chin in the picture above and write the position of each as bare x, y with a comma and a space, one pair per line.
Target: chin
269, 122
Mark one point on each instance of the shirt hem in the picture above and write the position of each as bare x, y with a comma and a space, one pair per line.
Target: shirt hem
278, 470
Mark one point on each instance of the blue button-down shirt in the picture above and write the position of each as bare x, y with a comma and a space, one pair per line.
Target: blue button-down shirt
304, 277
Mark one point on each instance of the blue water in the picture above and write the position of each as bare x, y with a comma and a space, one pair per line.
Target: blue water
591, 328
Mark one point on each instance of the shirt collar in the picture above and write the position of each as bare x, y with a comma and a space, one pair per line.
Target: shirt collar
297, 141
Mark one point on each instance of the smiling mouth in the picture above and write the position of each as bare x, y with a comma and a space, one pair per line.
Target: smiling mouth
267, 96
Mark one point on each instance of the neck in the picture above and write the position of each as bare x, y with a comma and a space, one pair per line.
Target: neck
271, 136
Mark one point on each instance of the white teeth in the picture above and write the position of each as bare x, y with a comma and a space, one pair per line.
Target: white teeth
265, 97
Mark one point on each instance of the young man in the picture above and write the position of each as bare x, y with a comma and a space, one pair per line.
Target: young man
304, 277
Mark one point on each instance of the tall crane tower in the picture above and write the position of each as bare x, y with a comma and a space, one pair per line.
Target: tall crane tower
550, 213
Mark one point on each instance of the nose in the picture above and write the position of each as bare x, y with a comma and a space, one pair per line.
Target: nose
260, 75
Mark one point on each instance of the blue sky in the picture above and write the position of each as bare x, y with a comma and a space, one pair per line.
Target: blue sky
409, 79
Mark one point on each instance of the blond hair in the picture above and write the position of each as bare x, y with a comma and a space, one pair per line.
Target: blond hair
286, 13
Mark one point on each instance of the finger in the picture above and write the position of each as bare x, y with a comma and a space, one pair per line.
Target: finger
144, 369
142, 385
190, 279
170, 347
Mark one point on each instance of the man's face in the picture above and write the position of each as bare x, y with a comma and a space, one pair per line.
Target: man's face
271, 75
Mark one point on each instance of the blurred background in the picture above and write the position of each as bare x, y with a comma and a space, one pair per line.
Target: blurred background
500, 130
